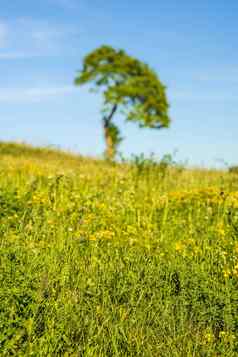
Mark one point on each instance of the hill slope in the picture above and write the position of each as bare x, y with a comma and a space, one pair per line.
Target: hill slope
115, 260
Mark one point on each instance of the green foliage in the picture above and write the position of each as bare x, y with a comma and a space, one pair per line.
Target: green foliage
114, 134
233, 169
96, 262
129, 84
147, 166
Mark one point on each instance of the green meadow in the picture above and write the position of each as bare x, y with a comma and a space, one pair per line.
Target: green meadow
102, 259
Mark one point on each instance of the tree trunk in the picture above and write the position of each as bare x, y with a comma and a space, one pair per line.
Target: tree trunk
110, 144
110, 147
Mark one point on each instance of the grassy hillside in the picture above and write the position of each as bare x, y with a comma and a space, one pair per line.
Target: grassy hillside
115, 260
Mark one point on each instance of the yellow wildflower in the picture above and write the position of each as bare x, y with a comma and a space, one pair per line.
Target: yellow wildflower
226, 273
208, 337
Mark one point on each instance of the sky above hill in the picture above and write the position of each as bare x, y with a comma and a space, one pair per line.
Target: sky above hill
193, 46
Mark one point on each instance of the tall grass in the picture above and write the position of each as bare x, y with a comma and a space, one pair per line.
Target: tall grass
115, 260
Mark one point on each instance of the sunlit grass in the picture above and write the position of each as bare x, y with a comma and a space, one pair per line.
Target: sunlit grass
112, 260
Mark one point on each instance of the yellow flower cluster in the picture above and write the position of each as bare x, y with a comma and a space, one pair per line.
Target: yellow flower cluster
208, 196
225, 336
39, 198
188, 247
104, 234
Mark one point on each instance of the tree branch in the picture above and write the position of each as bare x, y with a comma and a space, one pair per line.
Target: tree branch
159, 126
107, 120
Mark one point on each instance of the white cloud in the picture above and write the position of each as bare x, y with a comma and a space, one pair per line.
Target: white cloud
28, 37
33, 94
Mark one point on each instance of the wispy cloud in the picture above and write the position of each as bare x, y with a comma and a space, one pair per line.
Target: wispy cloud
18, 55
218, 74
26, 37
202, 95
17, 95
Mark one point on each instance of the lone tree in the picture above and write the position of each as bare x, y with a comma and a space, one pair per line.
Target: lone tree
128, 84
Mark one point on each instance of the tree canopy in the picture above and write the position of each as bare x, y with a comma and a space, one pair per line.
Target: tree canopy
127, 84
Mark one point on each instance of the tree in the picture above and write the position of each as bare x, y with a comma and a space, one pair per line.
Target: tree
128, 84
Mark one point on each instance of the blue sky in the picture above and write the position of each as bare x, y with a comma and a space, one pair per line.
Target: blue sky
192, 45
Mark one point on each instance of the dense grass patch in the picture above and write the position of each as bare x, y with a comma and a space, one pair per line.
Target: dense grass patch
115, 260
